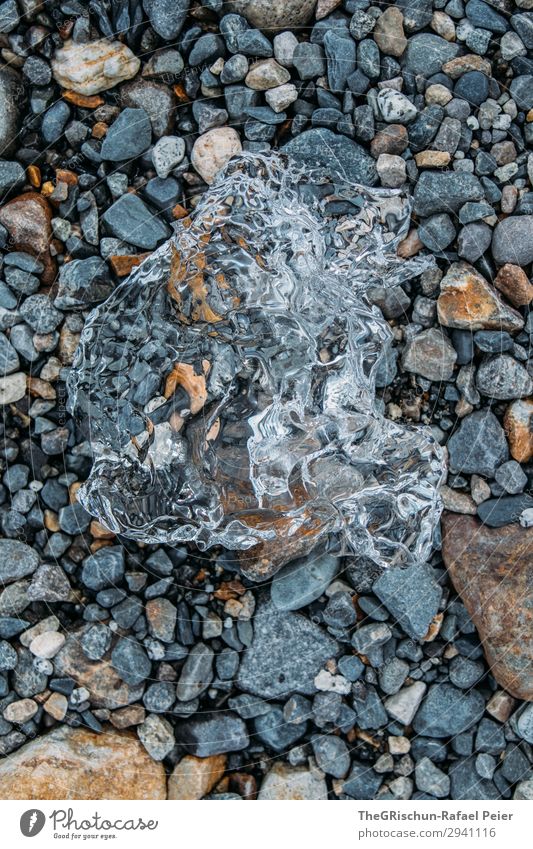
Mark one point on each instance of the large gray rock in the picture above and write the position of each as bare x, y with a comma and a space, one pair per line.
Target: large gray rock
479, 446
322, 148
286, 654
445, 192
16, 560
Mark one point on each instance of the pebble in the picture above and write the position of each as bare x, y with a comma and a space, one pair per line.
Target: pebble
512, 241
286, 654
302, 581
168, 152
447, 711
194, 778
128, 137
395, 107
17, 560
322, 148
196, 674
213, 150
130, 661
212, 734
88, 68
503, 378
285, 783
478, 446
130, 219
167, 16
430, 354
11, 108
403, 705
20, 711
267, 74
157, 736
430, 779
518, 421
468, 302
47, 644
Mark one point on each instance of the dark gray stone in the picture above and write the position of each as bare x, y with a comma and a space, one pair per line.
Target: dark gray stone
131, 220
212, 734
333, 154
411, 595
478, 446
447, 711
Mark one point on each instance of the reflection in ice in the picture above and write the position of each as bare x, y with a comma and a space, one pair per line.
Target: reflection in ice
227, 387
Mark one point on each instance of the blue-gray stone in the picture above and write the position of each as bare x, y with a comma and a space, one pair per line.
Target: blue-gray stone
279, 735
445, 192
212, 734
427, 53
83, 283
447, 711
128, 136
132, 221
333, 154
303, 580
130, 661
486, 17
411, 595
104, 568
286, 654
167, 16
12, 175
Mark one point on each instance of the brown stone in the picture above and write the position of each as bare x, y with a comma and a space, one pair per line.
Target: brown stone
194, 778
411, 245
56, 706
492, 571
33, 173
27, 218
86, 101
388, 32
455, 68
73, 763
514, 283
325, 7
68, 342
468, 302
122, 265
392, 139
432, 158
106, 688
127, 716
518, 422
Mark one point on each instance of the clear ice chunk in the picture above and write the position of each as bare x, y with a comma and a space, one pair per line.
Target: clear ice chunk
227, 387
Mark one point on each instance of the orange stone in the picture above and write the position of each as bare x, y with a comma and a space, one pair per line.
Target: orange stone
74, 763
514, 283
86, 101
518, 423
27, 218
34, 175
194, 778
455, 68
122, 265
99, 130
468, 302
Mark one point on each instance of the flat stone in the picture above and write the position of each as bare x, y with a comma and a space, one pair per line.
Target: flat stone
194, 778
132, 221
196, 673
74, 763
447, 711
83, 283
478, 446
493, 573
88, 68
518, 422
128, 137
427, 53
167, 16
17, 560
497, 512
287, 652
285, 783
274, 14
430, 779
412, 596
322, 148
158, 101
302, 581
468, 302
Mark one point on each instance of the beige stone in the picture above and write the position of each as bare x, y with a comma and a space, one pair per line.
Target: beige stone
388, 32
213, 150
56, 706
95, 66
194, 778
74, 763
47, 645
294, 783
20, 711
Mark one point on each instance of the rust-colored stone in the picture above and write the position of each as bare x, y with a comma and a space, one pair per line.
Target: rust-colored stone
518, 422
194, 778
514, 283
99, 130
86, 101
468, 302
122, 265
455, 68
33, 172
411, 245
27, 218
392, 139
432, 158
74, 763
492, 570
